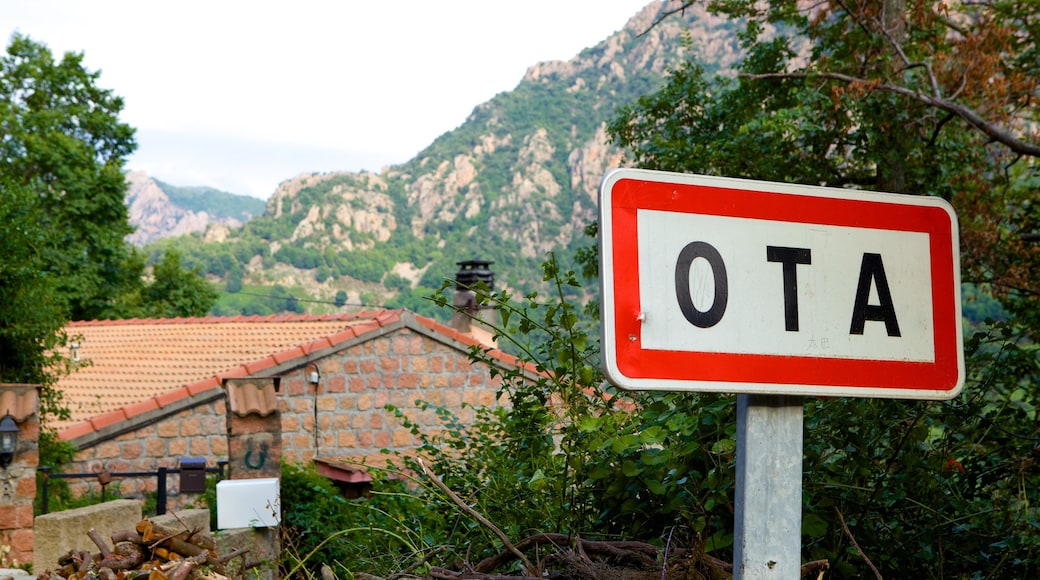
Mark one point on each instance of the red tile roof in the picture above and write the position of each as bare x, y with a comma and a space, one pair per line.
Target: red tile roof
130, 367
124, 364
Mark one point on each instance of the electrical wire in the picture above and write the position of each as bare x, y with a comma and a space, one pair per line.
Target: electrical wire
310, 300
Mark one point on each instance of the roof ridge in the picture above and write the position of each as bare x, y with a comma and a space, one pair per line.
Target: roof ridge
381, 316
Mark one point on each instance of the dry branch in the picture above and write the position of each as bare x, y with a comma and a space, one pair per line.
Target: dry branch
967, 114
99, 542
855, 544
472, 512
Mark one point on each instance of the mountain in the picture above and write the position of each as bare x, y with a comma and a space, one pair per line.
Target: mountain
517, 179
158, 210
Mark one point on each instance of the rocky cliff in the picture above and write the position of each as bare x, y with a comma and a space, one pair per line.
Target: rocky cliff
154, 215
517, 179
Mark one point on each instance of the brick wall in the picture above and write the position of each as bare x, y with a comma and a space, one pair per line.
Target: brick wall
348, 405
355, 387
200, 431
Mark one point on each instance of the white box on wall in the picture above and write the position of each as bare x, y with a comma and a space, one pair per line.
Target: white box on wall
248, 503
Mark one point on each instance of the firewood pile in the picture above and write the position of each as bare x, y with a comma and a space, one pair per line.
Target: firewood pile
150, 551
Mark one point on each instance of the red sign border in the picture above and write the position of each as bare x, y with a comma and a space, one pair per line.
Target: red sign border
639, 368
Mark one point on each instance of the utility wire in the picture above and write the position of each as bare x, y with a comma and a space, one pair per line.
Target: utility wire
311, 300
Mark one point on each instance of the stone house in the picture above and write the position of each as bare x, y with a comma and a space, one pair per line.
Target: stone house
145, 393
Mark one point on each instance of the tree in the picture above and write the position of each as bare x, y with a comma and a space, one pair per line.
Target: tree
62, 248
903, 96
918, 97
176, 291
31, 313
60, 136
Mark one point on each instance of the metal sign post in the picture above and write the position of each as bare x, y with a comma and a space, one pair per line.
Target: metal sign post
768, 518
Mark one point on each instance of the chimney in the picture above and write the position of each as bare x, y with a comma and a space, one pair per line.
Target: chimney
466, 310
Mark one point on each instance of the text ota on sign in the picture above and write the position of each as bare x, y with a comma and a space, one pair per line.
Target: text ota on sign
726, 285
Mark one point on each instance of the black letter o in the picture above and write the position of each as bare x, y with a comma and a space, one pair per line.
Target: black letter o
713, 315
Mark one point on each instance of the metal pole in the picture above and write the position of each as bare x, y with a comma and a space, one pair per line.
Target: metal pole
768, 519
46, 489
160, 492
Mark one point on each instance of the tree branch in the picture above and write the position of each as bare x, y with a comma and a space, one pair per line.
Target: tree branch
992, 131
528, 566
855, 544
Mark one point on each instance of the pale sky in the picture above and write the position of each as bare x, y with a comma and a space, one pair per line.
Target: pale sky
240, 95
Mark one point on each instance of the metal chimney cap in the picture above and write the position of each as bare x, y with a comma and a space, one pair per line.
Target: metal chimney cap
472, 272
473, 263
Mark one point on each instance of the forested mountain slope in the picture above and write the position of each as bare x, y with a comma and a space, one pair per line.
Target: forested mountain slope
517, 179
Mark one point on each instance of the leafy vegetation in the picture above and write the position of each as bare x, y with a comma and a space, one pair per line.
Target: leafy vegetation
63, 140
62, 252
383, 532
32, 313
891, 488
931, 102
909, 488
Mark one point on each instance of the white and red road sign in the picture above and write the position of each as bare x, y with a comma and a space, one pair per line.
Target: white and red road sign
727, 285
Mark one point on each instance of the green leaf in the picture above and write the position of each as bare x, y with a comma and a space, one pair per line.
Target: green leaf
724, 447
590, 423
631, 468
656, 487
720, 540
813, 526
655, 456
537, 481
626, 443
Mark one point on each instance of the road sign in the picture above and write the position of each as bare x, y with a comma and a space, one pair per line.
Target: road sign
727, 285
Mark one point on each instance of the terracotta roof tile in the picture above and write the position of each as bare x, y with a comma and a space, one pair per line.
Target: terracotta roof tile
252, 396
76, 431
99, 422
342, 471
135, 409
170, 397
128, 368
128, 362
21, 401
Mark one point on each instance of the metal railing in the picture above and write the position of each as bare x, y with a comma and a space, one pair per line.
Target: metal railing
106, 477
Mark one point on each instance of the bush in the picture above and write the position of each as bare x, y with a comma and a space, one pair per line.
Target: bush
924, 489
378, 534
905, 486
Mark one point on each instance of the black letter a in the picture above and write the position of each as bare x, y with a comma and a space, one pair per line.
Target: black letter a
873, 269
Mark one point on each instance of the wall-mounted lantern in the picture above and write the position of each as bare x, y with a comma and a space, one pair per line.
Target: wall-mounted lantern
8, 440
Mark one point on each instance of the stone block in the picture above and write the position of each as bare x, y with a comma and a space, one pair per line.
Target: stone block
259, 562
57, 533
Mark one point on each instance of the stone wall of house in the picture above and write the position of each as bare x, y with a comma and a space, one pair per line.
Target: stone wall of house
18, 488
197, 432
348, 405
